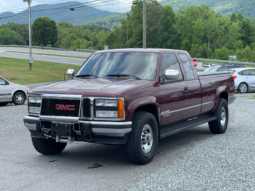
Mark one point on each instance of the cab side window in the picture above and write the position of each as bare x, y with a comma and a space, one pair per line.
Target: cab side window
170, 62
222, 69
2, 82
187, 67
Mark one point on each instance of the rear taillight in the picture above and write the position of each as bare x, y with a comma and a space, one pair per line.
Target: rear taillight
234, 77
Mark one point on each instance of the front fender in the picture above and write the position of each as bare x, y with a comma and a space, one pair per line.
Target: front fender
138, 103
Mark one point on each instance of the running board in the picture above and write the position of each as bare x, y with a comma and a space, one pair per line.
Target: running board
179, 127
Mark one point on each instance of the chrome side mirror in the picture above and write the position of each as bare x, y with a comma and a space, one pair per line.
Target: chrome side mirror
172, 74
70, 73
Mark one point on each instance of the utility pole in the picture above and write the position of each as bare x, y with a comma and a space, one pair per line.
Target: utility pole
144, 23
31, 60
127, 31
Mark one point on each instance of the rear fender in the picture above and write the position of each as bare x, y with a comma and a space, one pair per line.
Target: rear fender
219, 91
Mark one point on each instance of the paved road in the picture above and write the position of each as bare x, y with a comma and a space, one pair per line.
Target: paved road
191, 160
42, 51
57, 59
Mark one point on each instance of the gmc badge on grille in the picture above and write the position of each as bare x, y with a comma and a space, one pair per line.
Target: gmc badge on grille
65, 107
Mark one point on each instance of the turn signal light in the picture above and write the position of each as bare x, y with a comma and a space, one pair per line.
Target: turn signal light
234, 77
121, 108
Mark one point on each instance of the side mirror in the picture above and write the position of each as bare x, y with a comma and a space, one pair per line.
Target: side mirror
70, 73
172, 74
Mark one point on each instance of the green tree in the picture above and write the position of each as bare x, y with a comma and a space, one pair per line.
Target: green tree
10, 37
44, 30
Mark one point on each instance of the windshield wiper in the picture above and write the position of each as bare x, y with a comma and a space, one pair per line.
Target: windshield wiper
86, 75
122, 75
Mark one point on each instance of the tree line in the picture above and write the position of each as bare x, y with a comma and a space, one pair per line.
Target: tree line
197, 29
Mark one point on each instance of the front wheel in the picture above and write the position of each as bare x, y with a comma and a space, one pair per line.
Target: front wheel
143, 140
48, 146
219, 126
19, 98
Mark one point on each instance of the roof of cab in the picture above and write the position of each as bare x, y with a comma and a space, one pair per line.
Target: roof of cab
152, 50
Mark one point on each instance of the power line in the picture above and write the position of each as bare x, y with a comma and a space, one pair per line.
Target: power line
78, 7
48, 10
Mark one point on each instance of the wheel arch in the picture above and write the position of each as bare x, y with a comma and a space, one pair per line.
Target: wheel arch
14, 92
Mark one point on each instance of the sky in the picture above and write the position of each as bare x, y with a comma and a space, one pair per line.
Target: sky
19, 5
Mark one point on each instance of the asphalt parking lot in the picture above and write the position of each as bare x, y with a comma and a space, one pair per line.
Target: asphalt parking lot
191, 160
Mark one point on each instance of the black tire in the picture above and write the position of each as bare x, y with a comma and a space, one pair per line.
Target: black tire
216, 126
48, 146
133, 149
15, 99
3, 104
241, 90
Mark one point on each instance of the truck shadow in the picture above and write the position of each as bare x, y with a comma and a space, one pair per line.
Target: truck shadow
90, 155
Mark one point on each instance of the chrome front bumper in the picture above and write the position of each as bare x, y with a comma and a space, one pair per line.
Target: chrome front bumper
111, 129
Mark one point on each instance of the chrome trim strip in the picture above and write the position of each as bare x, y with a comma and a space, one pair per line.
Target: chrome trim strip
62, 96
111, 132
106, 123
59, 119
207, 103
187, 108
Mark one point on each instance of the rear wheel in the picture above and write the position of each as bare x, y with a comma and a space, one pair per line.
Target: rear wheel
3, 103
243, 88
143, 140
19, 98
48, 146
219, 126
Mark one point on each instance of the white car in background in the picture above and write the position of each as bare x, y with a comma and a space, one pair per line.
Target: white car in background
10, 92
244, 79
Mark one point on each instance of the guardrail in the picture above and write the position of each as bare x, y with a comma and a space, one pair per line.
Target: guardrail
49, 48
226, 61
86, 50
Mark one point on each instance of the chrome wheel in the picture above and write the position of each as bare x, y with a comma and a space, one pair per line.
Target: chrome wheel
146, 138
243, 88
223, 116
19, 98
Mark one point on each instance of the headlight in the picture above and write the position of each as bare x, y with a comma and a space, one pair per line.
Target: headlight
35, 99
113, 114
35, 110
106, 103
34, 104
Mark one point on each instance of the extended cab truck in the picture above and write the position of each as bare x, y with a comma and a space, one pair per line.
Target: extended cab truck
131, 97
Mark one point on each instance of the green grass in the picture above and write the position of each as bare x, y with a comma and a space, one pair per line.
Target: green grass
253, 97
17, 71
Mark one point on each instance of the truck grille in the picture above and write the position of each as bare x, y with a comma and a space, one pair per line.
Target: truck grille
59, 107
86, 107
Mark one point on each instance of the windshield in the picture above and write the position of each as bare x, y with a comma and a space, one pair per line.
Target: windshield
130, 64
213, 69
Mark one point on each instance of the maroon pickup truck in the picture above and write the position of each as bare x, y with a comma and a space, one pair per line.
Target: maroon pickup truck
131, 97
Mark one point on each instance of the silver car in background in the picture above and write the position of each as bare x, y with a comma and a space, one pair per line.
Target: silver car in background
10, 92
244, 79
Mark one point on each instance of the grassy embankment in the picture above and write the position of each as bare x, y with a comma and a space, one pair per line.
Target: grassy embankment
17, 71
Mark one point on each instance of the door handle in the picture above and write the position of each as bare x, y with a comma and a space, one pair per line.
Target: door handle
185, 89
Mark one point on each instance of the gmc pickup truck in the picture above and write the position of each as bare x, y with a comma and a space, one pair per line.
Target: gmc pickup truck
130, 97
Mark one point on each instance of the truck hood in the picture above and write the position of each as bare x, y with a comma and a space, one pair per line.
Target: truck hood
98, 87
